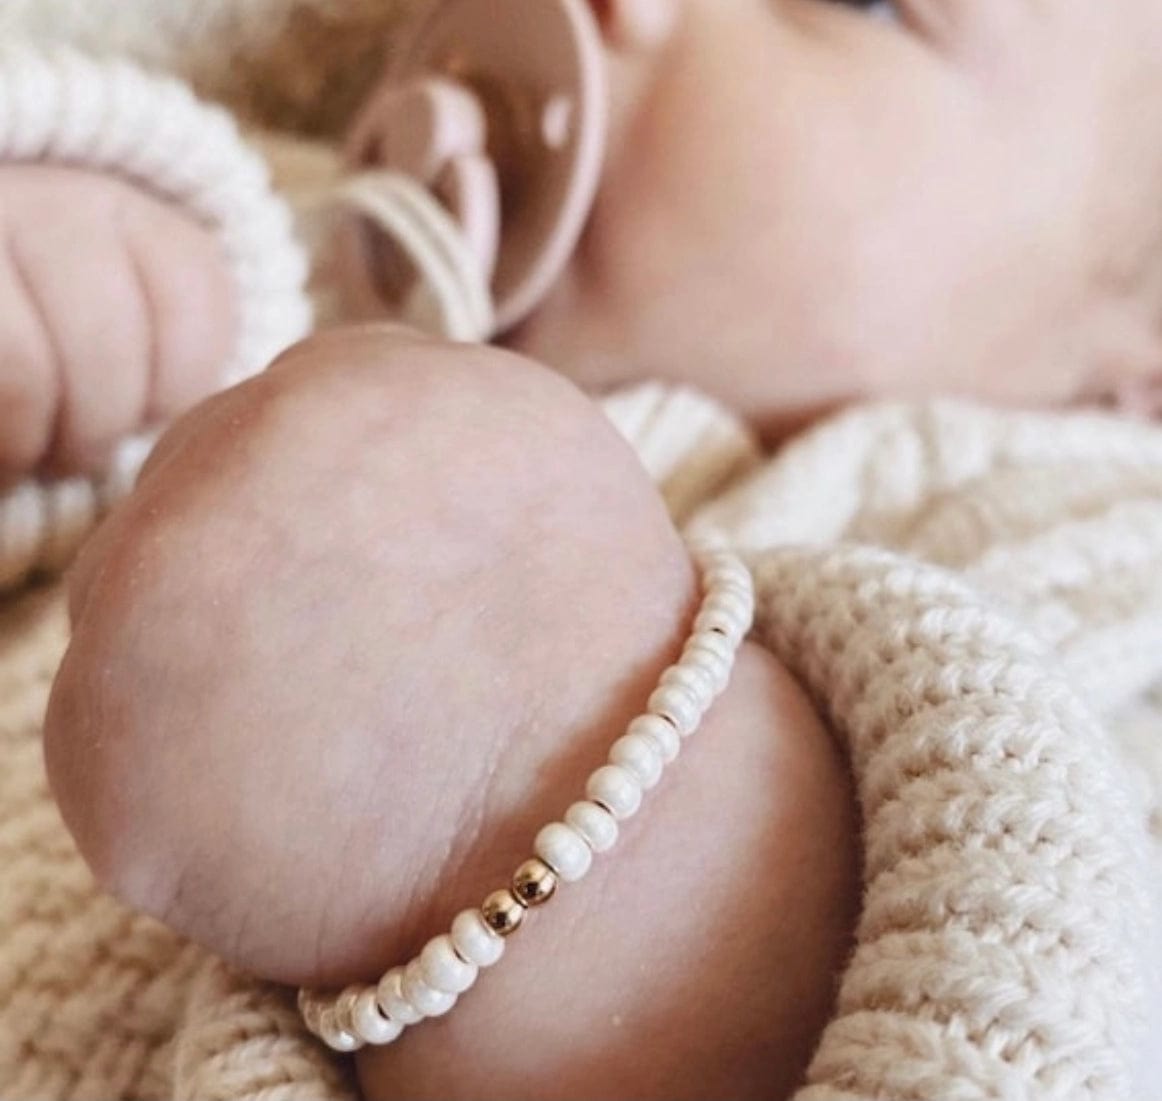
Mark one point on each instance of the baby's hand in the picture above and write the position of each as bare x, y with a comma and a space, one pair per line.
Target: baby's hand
115, 314
366, 625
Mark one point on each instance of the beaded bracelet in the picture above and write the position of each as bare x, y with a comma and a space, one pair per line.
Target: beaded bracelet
431, 984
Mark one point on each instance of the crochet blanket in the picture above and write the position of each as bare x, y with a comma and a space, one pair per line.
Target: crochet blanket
1053, 523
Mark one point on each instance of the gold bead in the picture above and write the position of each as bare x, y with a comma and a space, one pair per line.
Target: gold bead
502, 913
534, 883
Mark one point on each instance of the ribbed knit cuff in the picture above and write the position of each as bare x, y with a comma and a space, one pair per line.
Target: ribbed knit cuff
62, 107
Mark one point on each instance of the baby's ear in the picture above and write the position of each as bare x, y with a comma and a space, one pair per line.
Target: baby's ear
637, 25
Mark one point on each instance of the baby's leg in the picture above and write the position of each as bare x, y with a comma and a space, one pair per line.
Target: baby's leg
369, 623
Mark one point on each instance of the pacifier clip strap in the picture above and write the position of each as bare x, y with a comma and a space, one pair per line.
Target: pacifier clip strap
478, 163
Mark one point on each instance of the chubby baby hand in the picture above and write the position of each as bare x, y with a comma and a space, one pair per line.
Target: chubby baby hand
115, 314
367, 624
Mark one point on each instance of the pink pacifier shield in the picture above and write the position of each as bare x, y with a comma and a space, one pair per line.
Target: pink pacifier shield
539, 70
418, 128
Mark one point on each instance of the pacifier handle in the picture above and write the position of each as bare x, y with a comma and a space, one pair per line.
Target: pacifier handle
434, 131
499, 109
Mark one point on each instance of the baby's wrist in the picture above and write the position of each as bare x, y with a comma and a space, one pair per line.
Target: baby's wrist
717, 924
563, 851
699, 905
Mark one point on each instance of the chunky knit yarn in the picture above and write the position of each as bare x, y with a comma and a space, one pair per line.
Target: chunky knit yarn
1004, 948
1003, 894
1054, 521
286, 64
974, 600
60, 106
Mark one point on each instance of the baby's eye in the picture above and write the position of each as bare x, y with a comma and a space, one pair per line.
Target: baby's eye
875, 7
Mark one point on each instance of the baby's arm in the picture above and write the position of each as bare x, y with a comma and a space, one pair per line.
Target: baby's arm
145, 262
356, 639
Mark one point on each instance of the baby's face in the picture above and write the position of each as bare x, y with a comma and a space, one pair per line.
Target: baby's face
805, 204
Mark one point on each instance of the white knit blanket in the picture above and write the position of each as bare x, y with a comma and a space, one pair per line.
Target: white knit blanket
1052, 527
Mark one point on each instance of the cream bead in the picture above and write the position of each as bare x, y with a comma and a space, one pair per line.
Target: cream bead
615, 789
336, 1038
640, 755
710, 552
431, 1003
664, 733
564, 850
474, 941
724, 621
713, 653
723, 576
390, 996
727, 579
696, 678
595, 824
715, 669
443, 970
681, 707
730, 603
344, 1007
711, 641
311, 1008
368, 1021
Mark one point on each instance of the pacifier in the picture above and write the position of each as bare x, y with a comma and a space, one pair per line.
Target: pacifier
497, 111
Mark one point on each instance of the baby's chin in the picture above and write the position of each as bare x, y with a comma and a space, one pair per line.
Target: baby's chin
698, 959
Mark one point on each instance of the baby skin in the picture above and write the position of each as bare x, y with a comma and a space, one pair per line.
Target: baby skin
804, 206
116, 313
368, 623
371, 619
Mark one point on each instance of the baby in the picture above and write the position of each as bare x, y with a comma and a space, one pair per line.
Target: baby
801, 206
441, 583
490, 596
103, 333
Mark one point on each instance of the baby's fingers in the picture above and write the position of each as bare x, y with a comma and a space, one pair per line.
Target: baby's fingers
116, 315
28, 383
190, 297
85, 297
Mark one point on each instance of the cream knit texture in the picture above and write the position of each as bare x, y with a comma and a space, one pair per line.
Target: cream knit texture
973, 598
60, 106
293, 64
1005, 945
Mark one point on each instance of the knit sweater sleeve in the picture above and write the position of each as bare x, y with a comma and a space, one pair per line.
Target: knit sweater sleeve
897, 548
58, 105
691, 446
1003, 945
